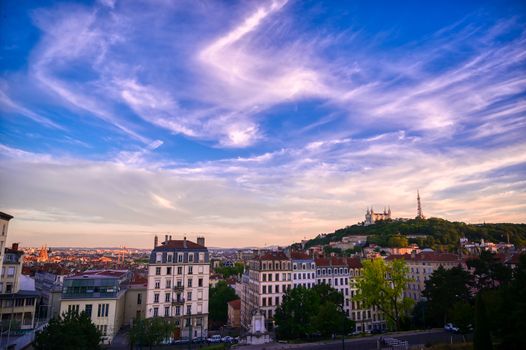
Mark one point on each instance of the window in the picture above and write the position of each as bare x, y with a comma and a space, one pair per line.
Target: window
188, 310
200, 282
168, 283
190, 270
166, 311
155, 311
177, 310
158, 271
73, 308
169, 270
10, 271
167, 297
264, 301
264, 290
139, 299
88, 309
191, 257
190, 282
264, 277
102, 310
158, 257
294, 266
270, 289
277, 277
170, 257
156, 298
189, 296
201, 257
180, 257
19, 302
270, 277
157, 284
180, 270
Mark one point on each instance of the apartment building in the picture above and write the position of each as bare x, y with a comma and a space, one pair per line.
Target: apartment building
367, 319
422, 265
17, 306
4, 225
178, 280
267, 278
101, 295
334, 272
303, 270
135, 304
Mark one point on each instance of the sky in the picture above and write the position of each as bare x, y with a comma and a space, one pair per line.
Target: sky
256, 122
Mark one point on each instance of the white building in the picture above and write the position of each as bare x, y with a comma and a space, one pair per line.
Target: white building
303, 270
178, 280
334, 272
266, 280
4, 225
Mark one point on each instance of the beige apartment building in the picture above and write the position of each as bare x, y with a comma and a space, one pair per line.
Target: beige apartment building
266, 280
178, 281
17, 307
101, 294
422, 265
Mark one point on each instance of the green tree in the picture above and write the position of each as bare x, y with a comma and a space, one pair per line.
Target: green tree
70, 331
443, 289
382, 285
306, 311
150, 331
219, 296
489, 272
482, 336
461, 315
229, 271
397, 241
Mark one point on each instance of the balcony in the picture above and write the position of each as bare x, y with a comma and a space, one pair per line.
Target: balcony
178, 288
178, 302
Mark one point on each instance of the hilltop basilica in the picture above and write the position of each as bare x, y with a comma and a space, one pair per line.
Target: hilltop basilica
372, 217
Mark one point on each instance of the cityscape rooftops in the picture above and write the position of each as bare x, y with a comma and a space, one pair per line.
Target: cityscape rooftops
272, 256
427, 256
179, 244
295, 255
332, 261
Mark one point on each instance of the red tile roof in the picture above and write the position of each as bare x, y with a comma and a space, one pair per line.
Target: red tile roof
272, 256
354, 263
235, 304
332, 261
299, 255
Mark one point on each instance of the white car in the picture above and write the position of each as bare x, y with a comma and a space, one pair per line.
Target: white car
214, 339
450, 327
227, 339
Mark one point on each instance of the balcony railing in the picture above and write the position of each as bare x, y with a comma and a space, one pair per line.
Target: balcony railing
178, 302
178, 288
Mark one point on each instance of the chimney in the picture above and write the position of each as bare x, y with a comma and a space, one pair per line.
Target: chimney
201, 240
184, 242
170, 238
14, 246
165, 238
155, 241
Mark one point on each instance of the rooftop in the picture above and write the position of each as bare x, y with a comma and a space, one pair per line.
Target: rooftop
427, 256
5, 216
300, 256
272, 256
179, 244
100, 274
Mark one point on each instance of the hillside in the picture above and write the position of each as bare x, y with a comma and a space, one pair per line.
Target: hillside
438, 232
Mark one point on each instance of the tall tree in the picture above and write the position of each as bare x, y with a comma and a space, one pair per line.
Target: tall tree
443, 289
305, 311
482, 336
220, 295
150, 331
70, 331
382, 285
489, 272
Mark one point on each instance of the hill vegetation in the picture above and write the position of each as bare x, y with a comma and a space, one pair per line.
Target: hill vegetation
430, 233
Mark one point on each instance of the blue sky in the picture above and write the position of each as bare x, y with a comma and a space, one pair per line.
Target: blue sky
256, 122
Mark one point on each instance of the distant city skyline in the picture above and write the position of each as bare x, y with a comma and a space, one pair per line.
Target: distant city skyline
256, 123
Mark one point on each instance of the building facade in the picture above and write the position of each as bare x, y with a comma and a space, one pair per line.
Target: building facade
101, 295
372, 217
334, 272
267, 278
178, 280
4, 226
422, 265
17, 306
303, 270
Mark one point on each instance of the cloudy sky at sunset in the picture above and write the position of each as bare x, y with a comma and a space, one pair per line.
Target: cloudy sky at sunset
256, 122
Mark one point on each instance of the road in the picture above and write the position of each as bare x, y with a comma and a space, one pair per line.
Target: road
433, 336
369, 343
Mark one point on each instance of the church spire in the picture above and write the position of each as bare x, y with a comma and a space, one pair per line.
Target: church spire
419, 213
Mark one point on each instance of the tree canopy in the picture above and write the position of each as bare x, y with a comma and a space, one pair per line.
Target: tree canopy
69, 331
431, 233
150, 331
219, 296
305, 311
382, 285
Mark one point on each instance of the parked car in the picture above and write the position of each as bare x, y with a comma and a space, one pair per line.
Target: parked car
214, 339
184, 340
227, 339
450, 327
199, 340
